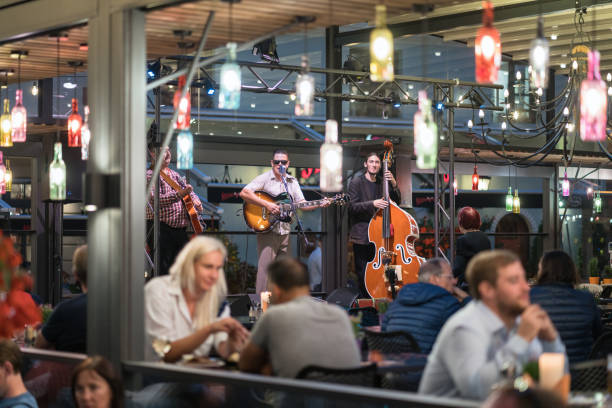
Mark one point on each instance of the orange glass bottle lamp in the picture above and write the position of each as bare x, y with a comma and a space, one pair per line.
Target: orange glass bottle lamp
6, 139
182, 105
475, 179
487, 47
75, 122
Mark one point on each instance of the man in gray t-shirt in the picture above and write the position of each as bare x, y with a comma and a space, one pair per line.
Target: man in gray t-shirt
298, 331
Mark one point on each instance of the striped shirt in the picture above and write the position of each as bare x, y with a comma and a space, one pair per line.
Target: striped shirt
171, 209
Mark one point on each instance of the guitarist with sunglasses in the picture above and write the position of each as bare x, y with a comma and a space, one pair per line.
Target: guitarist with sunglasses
275, 242
173, 216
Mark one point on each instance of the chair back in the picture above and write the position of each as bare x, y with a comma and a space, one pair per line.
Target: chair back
602, 346
362, 375
589, 376
369, 315
391, 342
343, 297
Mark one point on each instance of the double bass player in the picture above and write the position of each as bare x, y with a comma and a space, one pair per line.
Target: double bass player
366, 197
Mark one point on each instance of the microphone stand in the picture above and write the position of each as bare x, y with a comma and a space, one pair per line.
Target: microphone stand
299, 227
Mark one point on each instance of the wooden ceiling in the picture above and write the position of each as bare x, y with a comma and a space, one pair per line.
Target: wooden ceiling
251, 18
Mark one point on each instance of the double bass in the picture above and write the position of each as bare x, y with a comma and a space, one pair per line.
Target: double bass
393, 232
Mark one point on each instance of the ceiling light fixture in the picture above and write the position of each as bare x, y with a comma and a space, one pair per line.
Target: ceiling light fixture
593, 103
19, 115
331, 159
425, 134
381, 48
538, 58
487, 48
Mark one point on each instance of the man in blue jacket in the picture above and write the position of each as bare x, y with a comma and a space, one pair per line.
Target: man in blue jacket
422, 308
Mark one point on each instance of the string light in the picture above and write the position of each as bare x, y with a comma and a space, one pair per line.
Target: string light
381, 48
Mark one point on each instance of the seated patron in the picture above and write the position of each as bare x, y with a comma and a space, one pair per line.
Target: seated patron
66, 329
422, 308
470, 243
95, 384
13, 393
499, 327
573, 312
297, 330
187, 308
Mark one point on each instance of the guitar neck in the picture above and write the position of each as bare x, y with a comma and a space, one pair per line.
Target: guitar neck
308, 203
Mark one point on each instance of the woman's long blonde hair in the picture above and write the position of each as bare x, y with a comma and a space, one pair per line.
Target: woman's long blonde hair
183, 271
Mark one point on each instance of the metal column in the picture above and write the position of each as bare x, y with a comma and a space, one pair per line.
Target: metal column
116, 235
451, 176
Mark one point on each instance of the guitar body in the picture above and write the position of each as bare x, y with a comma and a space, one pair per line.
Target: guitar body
258, 218
193, 214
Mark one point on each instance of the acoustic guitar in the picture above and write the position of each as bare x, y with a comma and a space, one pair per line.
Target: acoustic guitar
259, 219
187, 201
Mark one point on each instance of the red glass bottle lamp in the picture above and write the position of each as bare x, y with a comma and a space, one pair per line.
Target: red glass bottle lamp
487, 47
183, 105
75, 122
593, 103
475, 179
19, 118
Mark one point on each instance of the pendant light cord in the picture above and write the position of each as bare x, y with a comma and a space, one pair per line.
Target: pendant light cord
57, 90
18, 70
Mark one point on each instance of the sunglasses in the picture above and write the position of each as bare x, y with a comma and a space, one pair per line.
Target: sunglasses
283, 162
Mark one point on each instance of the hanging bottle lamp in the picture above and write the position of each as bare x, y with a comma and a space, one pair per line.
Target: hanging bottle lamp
425, 134
184, 139
593, 103
75, 121
475, 179
19, 115
305, 84
6, 139
85, 135
230, 76
8, 177
516, 202
331, 159
455, 185
57, 175
509, 199
597, 203
487, 47
184, 149
565, 185
539, 55
2, 176
381, 48
182, 105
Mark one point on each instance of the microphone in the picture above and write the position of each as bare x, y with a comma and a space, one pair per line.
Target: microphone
282, 169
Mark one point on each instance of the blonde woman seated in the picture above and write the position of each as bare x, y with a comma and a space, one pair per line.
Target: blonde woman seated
187, 308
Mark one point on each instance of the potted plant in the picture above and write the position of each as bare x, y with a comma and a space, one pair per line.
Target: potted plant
607, 275
594, 271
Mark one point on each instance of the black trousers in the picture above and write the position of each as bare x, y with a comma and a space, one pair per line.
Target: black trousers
171, 241
363, 254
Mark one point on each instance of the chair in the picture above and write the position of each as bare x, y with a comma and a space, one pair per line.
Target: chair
363, 375
602, 346
606, 292
369, 315
391, 342
589, 376
343, 297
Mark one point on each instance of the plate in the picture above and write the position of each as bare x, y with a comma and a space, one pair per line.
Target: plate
203, 362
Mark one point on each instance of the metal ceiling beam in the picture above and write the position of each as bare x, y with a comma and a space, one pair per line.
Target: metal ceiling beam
466, 19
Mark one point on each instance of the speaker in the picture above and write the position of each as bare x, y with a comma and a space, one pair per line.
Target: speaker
239, 304
343, 297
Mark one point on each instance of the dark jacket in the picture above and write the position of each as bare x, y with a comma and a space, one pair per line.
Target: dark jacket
421, 309
468, 245
361, 206
574, 314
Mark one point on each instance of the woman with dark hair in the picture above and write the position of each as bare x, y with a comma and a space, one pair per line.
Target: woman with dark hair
573, 312
95, 384
470, 243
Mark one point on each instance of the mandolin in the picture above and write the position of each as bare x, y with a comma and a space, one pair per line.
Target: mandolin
259, 219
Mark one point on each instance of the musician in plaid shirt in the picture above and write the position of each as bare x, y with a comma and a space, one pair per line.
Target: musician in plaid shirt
173, 216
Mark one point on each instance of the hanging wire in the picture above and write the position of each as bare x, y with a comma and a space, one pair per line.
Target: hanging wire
57, 88
19, 71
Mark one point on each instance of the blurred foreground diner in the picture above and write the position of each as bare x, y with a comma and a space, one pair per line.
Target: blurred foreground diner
13, 393
422, 308
498, 330
186, 309
66, 329
297, 330
573, 312
96, 385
